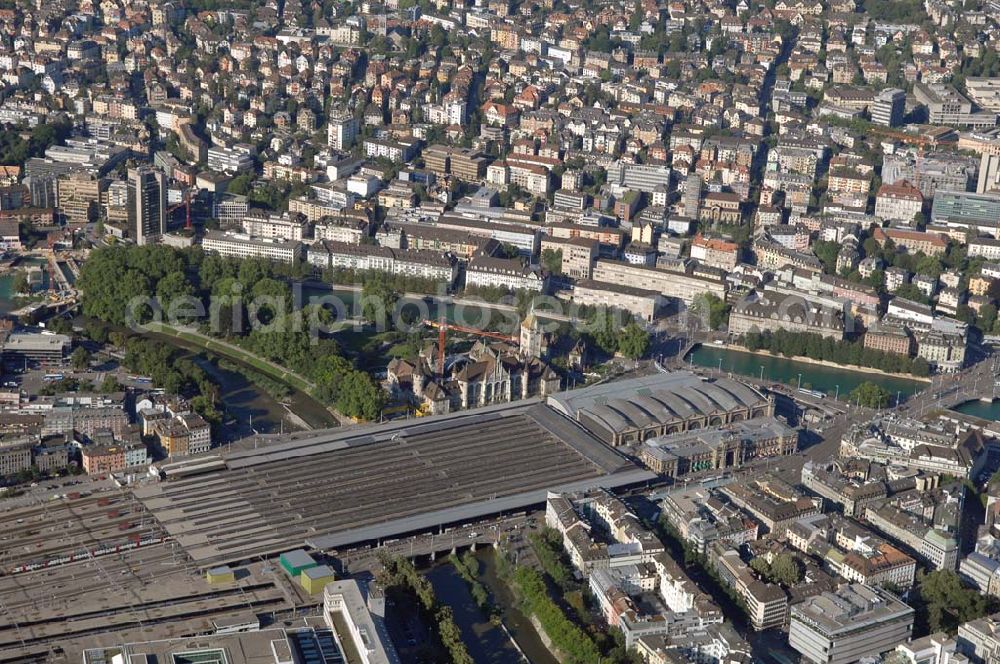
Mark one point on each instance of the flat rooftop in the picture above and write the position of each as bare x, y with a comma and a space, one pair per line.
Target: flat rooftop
341, 487
850, 608
263, 647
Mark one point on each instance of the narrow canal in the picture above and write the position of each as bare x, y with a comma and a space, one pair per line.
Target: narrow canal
831, 380
518, 624
489, 643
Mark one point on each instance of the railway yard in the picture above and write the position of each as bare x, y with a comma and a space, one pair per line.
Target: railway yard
264, 500
116, 564
77, 567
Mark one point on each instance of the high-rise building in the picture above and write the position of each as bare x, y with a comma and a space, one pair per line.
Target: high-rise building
147, 204
888, 107
342, 131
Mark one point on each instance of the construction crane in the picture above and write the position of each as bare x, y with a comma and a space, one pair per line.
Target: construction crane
186, 204
443, 326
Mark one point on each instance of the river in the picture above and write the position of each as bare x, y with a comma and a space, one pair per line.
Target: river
987, 410
487, 643
832, 380
243, 400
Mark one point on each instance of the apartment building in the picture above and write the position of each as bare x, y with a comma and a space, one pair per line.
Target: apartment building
715, 252
512, 274
898, 202
342, 130
425, 264
274, 227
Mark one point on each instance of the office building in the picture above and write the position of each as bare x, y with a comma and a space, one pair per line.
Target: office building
241, 245
78, 195
985, 92
22, 349
513, 274
15, 457
963, 209
223, 159
932, 649
675, 285
855, 622
933, 172
642, 303
888, 107
979, 640
947, 106
147, 204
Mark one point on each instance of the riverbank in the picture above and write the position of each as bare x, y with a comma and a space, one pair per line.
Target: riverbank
821, 363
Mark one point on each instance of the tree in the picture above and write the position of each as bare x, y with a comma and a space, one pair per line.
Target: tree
871, 395
786, 570
378, 300
942, 603
359, 396
711, 309
634, 341
604, 330
826, 252
552, 260
21, 282
240, 185
110, 384
80, 359
987, 318
172, 290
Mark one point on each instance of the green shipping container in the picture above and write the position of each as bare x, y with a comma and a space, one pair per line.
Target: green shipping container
294, 562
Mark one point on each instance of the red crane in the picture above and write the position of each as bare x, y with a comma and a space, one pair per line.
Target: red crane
186, 204
443, 326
